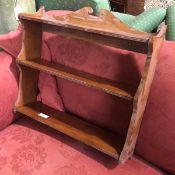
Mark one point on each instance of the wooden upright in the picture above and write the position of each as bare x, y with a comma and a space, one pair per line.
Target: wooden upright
104, 29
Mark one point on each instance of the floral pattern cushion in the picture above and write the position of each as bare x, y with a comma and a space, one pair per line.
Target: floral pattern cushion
8, 89
73, 5
11, 42
170, 16
30, 148
149, 20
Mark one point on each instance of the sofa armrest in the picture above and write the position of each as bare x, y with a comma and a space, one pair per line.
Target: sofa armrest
12, 42
8, 88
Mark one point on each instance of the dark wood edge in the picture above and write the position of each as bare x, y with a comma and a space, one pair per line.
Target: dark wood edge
73, 21
141, 96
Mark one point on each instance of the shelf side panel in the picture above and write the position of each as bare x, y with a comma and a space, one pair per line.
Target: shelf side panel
28, 86
140, 99
31, 49
32, 40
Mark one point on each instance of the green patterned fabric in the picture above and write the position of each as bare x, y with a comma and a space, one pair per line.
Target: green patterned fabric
7, 15
170, 21
73, 4
149, 20
124, 17
146, 21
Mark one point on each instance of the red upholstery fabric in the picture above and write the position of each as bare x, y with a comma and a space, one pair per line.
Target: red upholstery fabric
8, 88
48, 86
156, 142
11, 42
30, 148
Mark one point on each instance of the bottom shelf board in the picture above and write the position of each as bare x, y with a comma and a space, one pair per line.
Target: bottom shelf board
99, 138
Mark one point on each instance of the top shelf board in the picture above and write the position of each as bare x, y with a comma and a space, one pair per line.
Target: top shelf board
82, 22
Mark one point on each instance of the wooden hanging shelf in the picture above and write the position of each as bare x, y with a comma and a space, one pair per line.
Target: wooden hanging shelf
103, 29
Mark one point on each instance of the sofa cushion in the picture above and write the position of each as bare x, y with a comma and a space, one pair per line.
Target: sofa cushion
12, 42
49, 94
171, 23
146, 21
156, 142
124, 17
30, 148
149, 20
8, 88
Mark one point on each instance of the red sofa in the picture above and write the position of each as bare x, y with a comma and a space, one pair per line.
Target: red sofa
30, 148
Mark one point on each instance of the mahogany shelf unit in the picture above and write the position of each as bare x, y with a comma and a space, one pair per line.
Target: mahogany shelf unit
103, 29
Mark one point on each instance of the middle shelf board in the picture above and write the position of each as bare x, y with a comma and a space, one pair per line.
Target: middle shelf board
79, 77
97, 137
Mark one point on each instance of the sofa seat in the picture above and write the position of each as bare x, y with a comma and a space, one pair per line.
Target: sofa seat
30, 148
